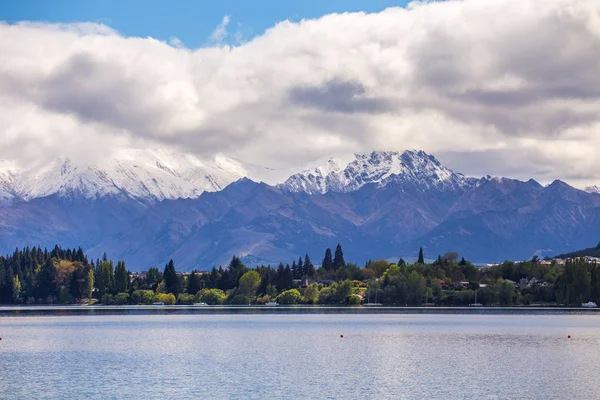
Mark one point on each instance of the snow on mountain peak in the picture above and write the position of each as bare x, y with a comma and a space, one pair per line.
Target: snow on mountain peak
593, 189
146, 175
349, 173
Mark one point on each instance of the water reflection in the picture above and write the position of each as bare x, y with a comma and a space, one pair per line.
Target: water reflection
300, 356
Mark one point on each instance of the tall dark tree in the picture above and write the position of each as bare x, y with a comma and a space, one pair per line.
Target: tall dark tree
288, 280
309, 268
338, 259
421, 259
172, 282
236, 270
74, 289
327, 260
105, 278
153, 276
46, 280
121, 278
301, 270
194, 283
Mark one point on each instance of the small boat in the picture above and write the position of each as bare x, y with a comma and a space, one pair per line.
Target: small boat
200, 304
158, 303
271, 303
589, 304
475, 305
372, 304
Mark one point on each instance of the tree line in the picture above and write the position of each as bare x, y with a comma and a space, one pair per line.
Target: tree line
65, 276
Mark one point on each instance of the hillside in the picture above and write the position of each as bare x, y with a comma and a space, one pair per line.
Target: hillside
589, 252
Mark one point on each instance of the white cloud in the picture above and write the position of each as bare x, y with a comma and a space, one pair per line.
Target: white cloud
220, 32
176, 42
497, 86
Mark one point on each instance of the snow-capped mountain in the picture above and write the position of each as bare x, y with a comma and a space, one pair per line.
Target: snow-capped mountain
592, 189
145, 175
380, 204
348, 173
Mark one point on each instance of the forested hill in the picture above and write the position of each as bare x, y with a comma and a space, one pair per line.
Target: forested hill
589, 252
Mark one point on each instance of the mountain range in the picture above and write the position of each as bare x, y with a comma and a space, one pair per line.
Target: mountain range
147, 206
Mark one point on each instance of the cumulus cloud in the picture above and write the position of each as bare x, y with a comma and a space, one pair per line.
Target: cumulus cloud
497, 86
220, 31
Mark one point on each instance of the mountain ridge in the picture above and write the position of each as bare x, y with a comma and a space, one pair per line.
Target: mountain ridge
377, 205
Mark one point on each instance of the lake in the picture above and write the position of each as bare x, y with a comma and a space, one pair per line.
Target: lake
300, 356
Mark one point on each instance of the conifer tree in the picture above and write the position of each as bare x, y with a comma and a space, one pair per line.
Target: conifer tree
301, 270
194, 283
421, 259
338, 259
281, 278
309, 268
327, 260
46, 285
172, 283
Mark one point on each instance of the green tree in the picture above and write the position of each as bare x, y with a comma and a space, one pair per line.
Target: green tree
421, 259
416, 287
122, 298
172, 282
89, 283
16, 290
311, 293
153, 276
212, 296
167, 298
338, 259
239, 300
291, 296
194, 283
121, 278
105, 278
46, 284
64, 295
507, 294
327, 260
309, 268
354, 300
343, 291
249, 282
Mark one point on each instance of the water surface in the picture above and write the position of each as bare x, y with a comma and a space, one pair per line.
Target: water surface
300, 356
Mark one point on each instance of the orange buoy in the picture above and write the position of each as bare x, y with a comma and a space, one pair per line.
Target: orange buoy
569, 336
342, 336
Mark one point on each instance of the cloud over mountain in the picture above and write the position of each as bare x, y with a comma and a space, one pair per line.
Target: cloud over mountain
508, 87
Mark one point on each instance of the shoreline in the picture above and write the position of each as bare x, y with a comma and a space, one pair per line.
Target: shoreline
298, 309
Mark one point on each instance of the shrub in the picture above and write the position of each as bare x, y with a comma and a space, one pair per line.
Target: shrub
185, 298
211, 296
239, 299
107, 299
121, 298
167, 298
291, 296
354, 299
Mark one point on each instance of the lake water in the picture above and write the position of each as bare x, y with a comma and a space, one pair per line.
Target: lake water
300, 356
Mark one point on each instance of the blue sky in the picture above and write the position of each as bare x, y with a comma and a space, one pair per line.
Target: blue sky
190, 21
